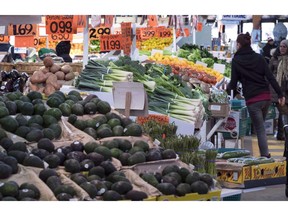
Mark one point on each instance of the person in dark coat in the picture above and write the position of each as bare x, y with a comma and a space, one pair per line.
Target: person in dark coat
267, 49
63, 50
252, 71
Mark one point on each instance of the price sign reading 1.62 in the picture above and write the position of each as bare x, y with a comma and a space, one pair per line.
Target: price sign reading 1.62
22, 29
95, 33
110, 42
60, 25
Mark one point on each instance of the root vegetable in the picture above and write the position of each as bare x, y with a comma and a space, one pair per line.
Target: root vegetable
38, 77
48, 61
60, 75
54, 68
66, 69
69, 76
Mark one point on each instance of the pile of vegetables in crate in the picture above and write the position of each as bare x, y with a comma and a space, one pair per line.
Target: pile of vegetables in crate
167, 94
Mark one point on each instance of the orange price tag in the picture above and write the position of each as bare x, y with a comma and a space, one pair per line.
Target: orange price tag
95, 33
199, 26
39, 40
60, 37
126, 43
179, 33
126, 29
22, 29
60, 25
164, 32
138, 34
152, 21
147, 33
80, 21
4, 38
110, 42
24, 41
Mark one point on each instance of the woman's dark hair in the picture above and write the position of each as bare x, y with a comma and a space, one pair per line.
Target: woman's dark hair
276, 53
244, 39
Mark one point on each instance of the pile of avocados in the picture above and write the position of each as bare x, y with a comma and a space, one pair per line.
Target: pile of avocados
173, 180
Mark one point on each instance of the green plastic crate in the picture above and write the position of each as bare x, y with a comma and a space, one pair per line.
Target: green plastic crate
271, 113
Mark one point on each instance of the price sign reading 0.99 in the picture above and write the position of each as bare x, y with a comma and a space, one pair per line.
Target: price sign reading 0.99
165, 33
110, 42
60, 37
60, 25
147, 33
95, 33
4, 38
22, 29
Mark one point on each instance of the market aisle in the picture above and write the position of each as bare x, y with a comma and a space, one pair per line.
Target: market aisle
276, 147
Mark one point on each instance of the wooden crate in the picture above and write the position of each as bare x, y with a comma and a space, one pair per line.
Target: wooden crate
28, 67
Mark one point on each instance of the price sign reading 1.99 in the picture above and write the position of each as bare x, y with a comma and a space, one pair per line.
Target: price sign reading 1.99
165, 32
110, 42
4, 38
95, 33
22, 29
60, 25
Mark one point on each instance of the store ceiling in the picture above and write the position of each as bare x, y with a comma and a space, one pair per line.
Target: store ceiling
5, 20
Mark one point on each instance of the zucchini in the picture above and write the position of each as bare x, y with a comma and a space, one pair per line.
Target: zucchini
235, 154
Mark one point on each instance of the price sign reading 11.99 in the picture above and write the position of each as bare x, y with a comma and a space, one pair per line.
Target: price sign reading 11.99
22, 29
110, 42
60, 25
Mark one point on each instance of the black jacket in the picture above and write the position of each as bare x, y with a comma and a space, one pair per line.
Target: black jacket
266, 51
252, 71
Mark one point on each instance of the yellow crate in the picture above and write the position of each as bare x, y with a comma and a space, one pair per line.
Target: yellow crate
269, 170
211, 196
150, 199
235, 176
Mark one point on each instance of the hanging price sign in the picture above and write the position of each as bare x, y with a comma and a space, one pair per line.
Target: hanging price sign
164, 32
60, 37
22, 29
95, 33
39, 41
186, 31
110, 42
138, 34
60, 25
126, 29
126, 46
4, 38
147, 33
24, 41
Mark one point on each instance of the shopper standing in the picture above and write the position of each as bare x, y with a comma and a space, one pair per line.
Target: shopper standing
252, 71
282, 79
273, 65
63, 50
267, 49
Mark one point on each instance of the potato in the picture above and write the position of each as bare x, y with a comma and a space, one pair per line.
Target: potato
44, 69
52, 80
38, 77
66, 69
54, 68
48, 61
49, 89
33, 87
69, 76
60, 75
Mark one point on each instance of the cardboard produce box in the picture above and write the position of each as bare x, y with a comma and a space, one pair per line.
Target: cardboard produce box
219, 109
237, 175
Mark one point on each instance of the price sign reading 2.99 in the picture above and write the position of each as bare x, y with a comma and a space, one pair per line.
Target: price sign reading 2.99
110, 42
60, 25
95, 33
22, 29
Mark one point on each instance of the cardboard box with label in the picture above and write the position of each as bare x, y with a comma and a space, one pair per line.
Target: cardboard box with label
237, 175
